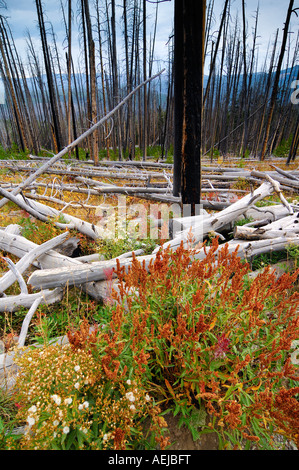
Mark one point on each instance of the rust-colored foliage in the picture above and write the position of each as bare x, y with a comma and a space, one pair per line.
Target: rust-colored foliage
207, 335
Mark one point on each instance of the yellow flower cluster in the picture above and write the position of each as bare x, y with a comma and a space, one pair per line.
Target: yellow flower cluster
52, 392
65, 397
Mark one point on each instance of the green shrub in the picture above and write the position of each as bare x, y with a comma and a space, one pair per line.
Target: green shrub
198, 338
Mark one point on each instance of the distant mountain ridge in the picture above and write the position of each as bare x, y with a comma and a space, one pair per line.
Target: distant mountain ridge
288, 74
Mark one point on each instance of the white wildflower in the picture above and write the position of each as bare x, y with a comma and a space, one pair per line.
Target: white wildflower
66, 430
32, 409
130, 396
77, 368
77, 385
56, 399
68, 401
30, 421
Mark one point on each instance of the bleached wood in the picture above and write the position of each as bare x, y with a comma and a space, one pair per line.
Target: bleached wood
16, 275
77, 275
9, 278
202, 225
19, 246
14, 302
96, 272
249, 233
27, 320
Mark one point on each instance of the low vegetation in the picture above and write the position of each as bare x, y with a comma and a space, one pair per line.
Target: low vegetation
198, 339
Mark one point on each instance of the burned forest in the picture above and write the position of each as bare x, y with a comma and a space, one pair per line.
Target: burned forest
149, 227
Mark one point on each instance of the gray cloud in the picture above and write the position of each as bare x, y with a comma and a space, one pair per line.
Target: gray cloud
22, 16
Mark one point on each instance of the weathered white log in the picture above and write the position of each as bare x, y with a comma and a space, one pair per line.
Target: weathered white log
19, 246
284, 227
9, 278
97, 256
130, 190
12, 303
207, 204
290, 222
16, 276
287, 174
96, 272
249, 233
23, 204
14, 229
280, 179
270, 213
77, 275
27, 320
247, 250
202, 225
61, 202
43, 212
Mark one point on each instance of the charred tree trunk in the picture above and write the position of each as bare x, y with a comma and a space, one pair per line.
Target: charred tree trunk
52, 95
188, 83
277, 77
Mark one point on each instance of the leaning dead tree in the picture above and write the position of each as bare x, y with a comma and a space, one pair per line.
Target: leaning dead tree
65, 151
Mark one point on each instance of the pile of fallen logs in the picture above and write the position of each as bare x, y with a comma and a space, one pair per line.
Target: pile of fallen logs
273, 228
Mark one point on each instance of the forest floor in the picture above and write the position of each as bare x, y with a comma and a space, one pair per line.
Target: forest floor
84, 205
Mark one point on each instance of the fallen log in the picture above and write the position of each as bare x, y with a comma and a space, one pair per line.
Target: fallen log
248, 233
13, 302
269, 213
287, 174
19, 246
294, 184
21, 202
77, 275
43, 212
285, 227
9, 278
202, 225
96, 272
27, 320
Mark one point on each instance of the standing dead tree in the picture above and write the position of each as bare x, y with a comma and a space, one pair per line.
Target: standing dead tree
49, 73
68, 148
188, 89
277, 77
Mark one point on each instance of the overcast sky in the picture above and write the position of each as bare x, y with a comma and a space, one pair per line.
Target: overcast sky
22, 16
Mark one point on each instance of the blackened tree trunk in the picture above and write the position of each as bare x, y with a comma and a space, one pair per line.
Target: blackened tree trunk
144, 144
294, 144
277, 77
52, 96
189, 46
93, 85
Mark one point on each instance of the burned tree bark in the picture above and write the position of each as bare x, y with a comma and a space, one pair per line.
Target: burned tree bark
188, 85
52, 94
277, 77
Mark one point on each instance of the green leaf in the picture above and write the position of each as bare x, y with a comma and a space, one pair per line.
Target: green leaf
70, 439
198, 418
216, 364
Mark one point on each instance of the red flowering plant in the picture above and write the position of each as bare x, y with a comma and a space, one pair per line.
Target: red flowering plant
213, 343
